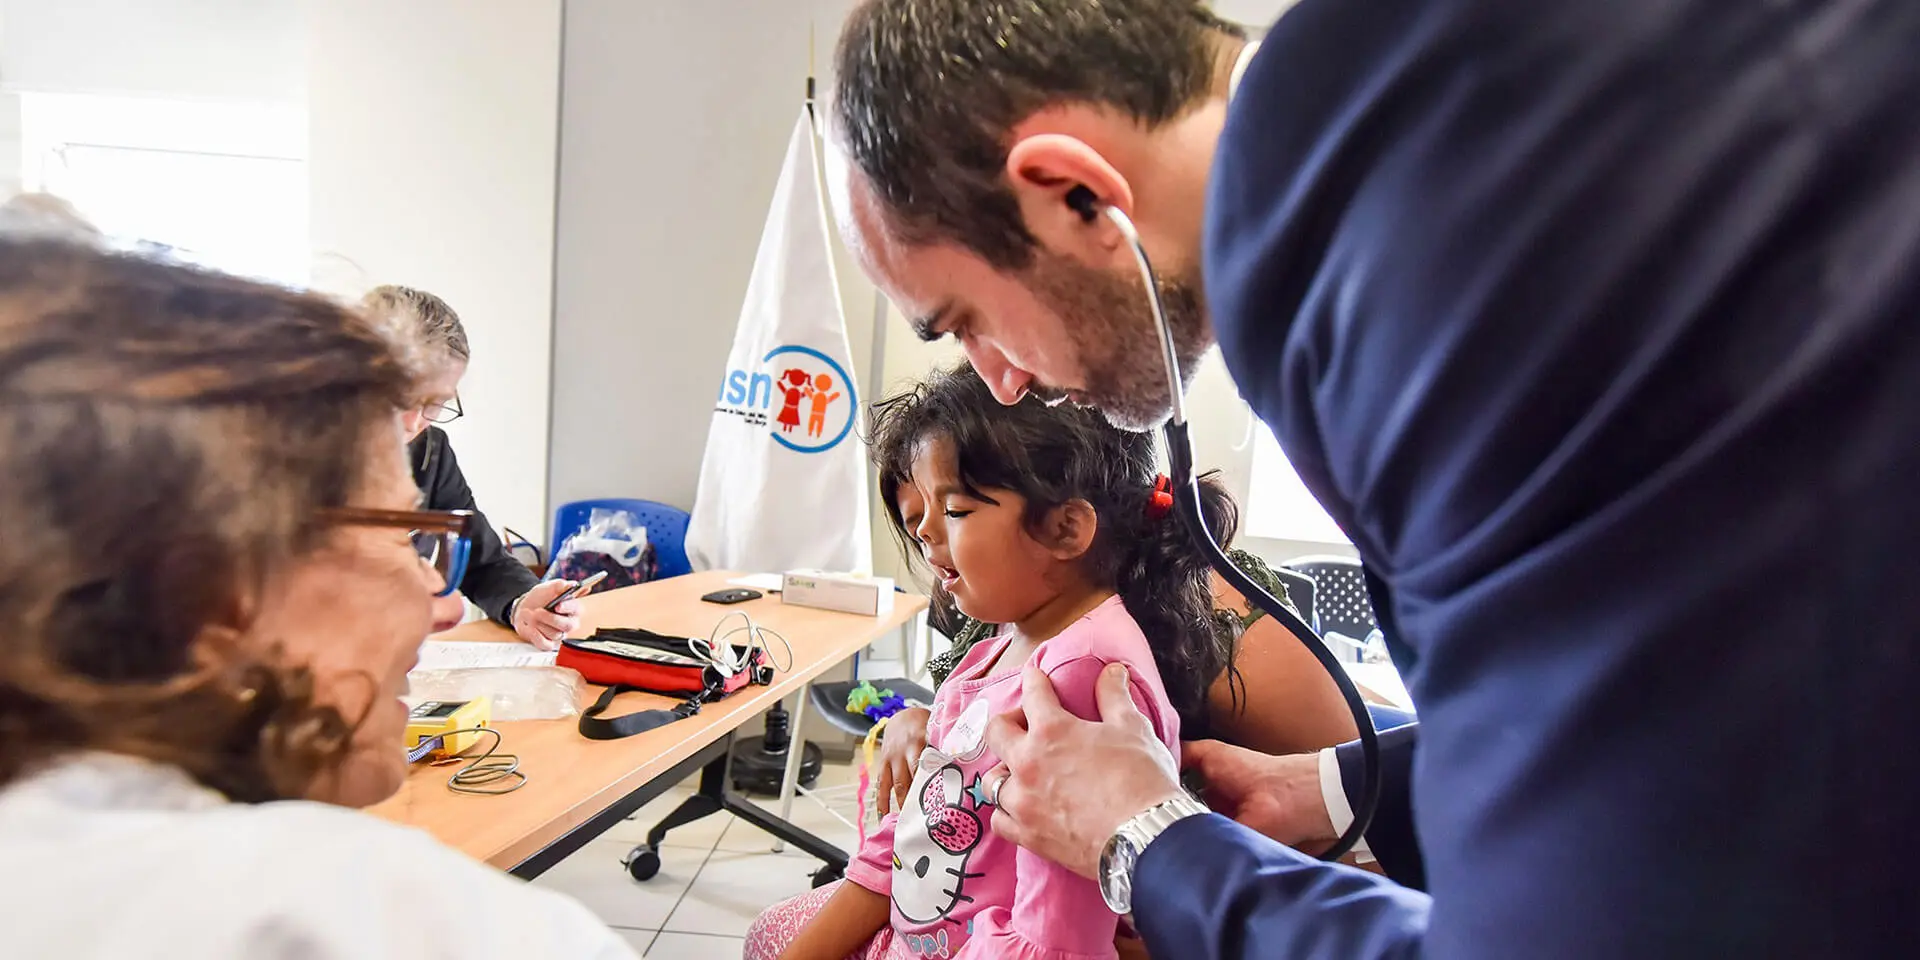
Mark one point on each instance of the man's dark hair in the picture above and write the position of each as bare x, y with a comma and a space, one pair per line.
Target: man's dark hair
926, 91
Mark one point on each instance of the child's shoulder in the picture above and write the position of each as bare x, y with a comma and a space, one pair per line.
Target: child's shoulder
1107, 633
1074, 659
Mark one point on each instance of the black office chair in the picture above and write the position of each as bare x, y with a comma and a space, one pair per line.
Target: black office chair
1340, 603
830, 699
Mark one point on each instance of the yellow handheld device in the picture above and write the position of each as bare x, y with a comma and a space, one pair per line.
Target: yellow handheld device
430, 726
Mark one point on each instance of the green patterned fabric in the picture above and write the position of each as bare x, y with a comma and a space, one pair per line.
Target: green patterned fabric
973, 631
1257, 569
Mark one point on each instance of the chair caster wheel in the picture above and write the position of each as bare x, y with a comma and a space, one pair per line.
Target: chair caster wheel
827, 874
643, 863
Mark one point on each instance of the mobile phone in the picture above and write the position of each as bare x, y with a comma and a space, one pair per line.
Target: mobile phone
735, 595
580, 589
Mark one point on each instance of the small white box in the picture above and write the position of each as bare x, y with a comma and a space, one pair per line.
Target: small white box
845, 592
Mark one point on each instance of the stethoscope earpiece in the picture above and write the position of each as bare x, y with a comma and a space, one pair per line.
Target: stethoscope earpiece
1083, 202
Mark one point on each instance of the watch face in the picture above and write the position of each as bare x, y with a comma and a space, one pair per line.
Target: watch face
1116, 874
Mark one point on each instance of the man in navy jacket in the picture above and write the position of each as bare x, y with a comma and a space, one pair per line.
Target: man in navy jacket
1594, 326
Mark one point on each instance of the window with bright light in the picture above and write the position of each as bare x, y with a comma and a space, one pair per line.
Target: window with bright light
217, 184
1279, 507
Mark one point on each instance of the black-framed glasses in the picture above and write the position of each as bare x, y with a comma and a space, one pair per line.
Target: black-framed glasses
443, 538
445, 412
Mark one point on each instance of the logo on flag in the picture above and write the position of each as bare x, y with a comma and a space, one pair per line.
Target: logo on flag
802, 395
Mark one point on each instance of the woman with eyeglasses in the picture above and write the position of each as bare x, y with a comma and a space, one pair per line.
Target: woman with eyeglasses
495, 581
197, 474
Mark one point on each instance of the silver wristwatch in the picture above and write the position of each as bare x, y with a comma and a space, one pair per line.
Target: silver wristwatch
1123, 849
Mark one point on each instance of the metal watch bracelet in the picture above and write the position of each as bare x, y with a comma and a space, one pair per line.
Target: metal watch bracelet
1121, 856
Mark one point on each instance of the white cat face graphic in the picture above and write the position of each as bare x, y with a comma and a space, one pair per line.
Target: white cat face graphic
933, 841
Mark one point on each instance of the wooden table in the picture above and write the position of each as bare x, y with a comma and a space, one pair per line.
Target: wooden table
578, 788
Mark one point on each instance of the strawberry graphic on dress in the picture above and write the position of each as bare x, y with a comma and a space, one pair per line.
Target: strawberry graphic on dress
953, 827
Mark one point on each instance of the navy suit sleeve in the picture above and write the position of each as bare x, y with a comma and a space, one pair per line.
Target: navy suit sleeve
1209, 887
1391, 835
1593, 326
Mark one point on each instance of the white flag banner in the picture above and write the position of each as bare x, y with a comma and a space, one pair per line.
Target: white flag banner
783, 484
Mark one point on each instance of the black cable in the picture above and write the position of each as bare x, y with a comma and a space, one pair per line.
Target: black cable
1187, 504
482, 772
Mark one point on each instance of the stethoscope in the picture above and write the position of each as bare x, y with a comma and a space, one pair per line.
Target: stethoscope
1187, 505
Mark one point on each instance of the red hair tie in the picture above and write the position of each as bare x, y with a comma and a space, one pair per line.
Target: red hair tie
1160, 501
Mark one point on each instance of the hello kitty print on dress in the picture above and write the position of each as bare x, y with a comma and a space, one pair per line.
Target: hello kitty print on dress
932, 843
959, 891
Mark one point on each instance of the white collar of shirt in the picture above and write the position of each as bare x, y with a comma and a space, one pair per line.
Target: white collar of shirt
279, 879
105, 781
1240, 67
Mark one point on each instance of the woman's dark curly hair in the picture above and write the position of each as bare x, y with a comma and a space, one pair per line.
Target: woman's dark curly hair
1051, 456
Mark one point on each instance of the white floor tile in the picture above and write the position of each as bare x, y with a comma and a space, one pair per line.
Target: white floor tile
695, 946
838, 774
639, 940
733, 889
595, 877
701, 833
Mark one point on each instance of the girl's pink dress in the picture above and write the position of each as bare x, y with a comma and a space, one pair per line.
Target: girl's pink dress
957, 888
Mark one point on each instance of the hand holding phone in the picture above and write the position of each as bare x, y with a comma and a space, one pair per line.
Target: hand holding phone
580, 589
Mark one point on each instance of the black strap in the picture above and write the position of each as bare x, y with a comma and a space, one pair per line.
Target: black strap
594, 727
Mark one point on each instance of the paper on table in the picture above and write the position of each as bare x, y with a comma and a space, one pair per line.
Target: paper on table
763, 582
457, 655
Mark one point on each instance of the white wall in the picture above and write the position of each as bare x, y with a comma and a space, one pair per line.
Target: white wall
1258, 14
185, 49
433, 126
11, 148
674, 123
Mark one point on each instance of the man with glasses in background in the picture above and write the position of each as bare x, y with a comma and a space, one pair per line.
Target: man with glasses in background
494, 580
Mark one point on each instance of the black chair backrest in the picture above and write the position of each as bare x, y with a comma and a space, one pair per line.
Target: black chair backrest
1340, 601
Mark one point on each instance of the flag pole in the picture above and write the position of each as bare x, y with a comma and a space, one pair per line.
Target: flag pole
810, 74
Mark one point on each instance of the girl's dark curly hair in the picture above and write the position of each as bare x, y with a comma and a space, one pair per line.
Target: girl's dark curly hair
1053, 455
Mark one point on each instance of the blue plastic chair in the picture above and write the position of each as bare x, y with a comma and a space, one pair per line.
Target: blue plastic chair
666, 529
1386, 718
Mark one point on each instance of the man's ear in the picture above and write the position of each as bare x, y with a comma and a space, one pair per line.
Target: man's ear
1043, 169
1069, 530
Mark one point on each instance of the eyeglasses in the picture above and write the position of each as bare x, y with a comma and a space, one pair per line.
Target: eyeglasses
443, 538
446, 412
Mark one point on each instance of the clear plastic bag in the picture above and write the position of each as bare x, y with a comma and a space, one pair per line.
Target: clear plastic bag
518, 693
615, 543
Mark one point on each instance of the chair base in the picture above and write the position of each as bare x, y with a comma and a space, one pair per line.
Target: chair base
758, 770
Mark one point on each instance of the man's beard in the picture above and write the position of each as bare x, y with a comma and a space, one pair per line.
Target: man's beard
1123, 367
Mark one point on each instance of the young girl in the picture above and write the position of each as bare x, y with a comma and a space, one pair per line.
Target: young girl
1045, 520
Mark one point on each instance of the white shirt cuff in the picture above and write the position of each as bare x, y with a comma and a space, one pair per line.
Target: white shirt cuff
1334, 795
